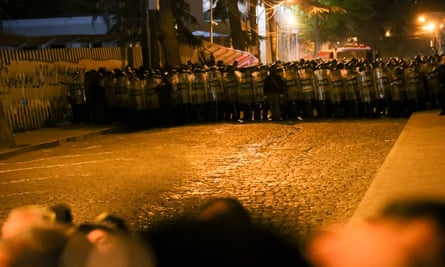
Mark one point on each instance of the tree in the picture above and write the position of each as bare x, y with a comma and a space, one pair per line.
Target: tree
339, 26
174, 16
6, 6
168, 36
230, 7
129, 20
336, 20
313, 11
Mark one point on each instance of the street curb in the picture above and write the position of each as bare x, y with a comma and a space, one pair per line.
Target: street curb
53, 143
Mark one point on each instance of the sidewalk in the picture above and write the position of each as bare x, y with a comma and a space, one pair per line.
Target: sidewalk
414, 168
50, 137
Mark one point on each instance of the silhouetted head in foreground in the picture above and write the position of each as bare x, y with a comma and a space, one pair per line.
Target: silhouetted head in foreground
25, 217
406, 233
225, 210
213, 239
39, 246
63, 213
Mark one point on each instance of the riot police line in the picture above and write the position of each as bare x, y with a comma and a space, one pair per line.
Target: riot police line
311, 89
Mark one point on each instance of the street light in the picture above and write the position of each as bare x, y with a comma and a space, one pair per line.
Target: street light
431, 28
433, 24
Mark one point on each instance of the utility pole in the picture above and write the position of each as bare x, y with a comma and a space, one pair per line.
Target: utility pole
211, 21
150, 5
147, 18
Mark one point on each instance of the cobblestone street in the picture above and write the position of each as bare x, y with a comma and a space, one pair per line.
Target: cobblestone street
297, 175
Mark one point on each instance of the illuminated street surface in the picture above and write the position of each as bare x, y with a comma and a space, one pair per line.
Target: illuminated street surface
299, 176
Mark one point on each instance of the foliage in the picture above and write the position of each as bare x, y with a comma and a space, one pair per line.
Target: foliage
337, 27
183, 18
230, 7
332, 20
6, 5
400, 22
128, 18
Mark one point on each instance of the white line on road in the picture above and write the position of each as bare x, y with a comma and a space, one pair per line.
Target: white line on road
53, 158
42, 178
64, 165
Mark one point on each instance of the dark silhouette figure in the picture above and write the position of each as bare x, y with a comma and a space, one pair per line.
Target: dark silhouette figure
442, 87
274, 87
63, 213
222, 234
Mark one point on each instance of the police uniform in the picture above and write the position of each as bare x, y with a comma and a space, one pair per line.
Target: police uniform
442, 88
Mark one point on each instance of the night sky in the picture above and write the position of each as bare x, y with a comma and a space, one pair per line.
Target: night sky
60, 8
40, 9
430, 5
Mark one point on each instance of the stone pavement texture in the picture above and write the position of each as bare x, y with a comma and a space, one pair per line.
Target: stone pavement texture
414, 166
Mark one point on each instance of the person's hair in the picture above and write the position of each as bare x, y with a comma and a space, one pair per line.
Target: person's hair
107, 222
430, 209
24, 217
63, 213
417, 208
225, 209
38, 247
41, 213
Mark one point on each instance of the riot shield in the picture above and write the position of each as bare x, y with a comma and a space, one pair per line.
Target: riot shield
137, 104
258, 77
323, 92
397, 92
433, 84
309, 109
352, 93
77, 99
367, 104
246, 95
382, 88
182, 110
215, 94
152, 115
110, 95
338, 93
231, 93
292, 93
414, 89
198, 95
122, 96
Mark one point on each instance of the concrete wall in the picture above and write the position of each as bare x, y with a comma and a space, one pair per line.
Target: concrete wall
6, 139
33, 84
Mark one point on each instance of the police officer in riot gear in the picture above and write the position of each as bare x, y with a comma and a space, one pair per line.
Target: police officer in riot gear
166, 92
77, 100
273, 91
442, 87
338, 91
322, 91
198, 95
352, 92
397, 90
246, 95
259, 76
307, 100
231, 92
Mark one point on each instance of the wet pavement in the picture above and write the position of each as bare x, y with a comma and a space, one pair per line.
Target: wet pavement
299, 176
